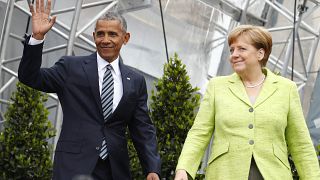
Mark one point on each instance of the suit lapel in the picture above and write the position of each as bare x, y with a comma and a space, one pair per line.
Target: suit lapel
126, 84
237, 88
91, 69
268, 88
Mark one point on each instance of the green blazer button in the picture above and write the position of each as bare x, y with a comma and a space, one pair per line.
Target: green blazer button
251, 142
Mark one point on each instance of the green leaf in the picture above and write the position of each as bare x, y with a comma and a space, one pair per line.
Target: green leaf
173, 107
23, 143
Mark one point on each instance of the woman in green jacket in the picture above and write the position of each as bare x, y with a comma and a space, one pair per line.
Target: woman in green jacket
255, 117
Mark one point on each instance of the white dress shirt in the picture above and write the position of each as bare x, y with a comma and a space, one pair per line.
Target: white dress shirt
102, 65
116, 74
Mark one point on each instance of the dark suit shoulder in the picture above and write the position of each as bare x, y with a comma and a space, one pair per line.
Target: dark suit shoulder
88, 58
132, 71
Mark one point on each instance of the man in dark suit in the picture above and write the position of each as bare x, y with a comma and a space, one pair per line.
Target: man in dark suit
91, 142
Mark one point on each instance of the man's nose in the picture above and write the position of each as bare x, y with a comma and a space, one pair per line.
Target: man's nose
106, 39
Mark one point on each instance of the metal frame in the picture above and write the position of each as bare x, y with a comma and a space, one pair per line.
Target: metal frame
69, 32
242, 16
239, 15
73, 34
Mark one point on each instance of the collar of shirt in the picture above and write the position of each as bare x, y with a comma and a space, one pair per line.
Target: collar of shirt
103, 63
118, 88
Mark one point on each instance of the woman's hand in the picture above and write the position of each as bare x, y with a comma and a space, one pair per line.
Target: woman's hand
181, 174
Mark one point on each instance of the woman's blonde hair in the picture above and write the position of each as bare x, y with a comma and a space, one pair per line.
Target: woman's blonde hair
258, 36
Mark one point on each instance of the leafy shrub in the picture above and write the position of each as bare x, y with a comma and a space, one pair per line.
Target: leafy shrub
172, 109
24, 150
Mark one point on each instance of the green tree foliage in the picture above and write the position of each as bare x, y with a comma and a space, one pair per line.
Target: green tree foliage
173, 111
173, 107
318, 152
135, 167
24, 150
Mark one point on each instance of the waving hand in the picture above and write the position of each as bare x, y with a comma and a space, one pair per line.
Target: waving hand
41, 23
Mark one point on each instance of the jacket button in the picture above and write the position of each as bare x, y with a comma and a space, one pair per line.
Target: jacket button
250, 126
251, 109
251, 142
97, 148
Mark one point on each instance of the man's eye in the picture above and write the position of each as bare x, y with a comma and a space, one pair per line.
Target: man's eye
99, 34
113, 34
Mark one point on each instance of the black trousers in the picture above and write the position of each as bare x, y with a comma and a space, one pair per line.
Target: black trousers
102, 171
254, 173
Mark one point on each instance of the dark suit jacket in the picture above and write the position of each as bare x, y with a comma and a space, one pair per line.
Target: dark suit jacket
75, 80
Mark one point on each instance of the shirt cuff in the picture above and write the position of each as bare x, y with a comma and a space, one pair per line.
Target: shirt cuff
34, 41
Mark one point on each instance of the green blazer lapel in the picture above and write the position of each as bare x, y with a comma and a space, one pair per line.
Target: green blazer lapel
268, 88
237, 88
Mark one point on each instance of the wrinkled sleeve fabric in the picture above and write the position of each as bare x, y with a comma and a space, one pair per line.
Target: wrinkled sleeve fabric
143, 133
298, 140
30, 73
200, 134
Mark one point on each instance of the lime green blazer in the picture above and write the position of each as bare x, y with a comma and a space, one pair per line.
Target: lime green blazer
268, 130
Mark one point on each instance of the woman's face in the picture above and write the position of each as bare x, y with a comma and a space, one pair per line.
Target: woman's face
244, 57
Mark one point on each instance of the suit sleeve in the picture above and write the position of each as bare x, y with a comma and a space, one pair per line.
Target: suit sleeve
199, 135
299, 142
31, 74
143, 133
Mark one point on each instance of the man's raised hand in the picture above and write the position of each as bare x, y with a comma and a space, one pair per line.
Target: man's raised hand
41, 23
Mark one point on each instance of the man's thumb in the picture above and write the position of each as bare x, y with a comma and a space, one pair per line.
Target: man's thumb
52, 20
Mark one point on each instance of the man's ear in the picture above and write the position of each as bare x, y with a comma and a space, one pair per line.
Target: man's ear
126, 38
94, 35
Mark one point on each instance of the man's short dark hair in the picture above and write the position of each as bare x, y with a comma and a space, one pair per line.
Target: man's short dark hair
111, 15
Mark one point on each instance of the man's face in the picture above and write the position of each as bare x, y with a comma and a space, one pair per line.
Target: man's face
109, 38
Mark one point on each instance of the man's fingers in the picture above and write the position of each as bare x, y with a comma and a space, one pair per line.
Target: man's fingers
53, 20
48, 7
152, 176
31, 9
41, 6
37, 6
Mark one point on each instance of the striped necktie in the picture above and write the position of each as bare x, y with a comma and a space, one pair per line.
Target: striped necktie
107, 103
